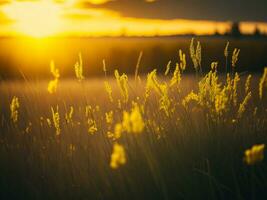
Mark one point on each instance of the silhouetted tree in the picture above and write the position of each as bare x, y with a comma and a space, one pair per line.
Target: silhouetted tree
235, 29
257, 32
216, 33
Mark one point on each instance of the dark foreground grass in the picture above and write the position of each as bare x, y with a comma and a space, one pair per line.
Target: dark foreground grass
182, 156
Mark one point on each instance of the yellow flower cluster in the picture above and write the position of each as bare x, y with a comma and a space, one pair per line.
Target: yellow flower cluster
254, 155
168, 67
133, 122
92, 126
182, 60
78, 67
108, 90
56, 120
161, 89
52, 85
218, 98
190, 97
221, 101
247, 84
109, 117
235, 57
14, 106
209, 88
226, 51
242, 106
176, 78
118, 156
122, 82
180, 67
263, 83
234, 94
118, 129
195, 54
68, 116
104, 67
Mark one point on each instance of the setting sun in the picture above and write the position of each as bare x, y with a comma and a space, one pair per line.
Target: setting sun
36, 19
43, 18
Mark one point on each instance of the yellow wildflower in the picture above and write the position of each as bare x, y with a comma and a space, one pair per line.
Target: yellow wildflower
126, 123
110, 134
137, 120
14, 106
118, 156
196, 55
235, 57
168, 67
108, 90
176, 78
193, 54
54, 70
182, 60
104, 67
226, 54
263, 83
247, 84
79, 68
88, 110
118, 130
235, 82
68, 116
52, 85
109, 117
49, 123
92, 129
214, 66
161, 89
221, 100
242, 106
92, 126
138, 65
133, 122
190, 97
254, 155
56, 120
226, 51
122, 82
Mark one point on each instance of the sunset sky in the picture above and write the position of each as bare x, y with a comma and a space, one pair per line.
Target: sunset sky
40, 18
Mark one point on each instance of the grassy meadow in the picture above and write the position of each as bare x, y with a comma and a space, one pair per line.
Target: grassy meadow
32, 56
169, 135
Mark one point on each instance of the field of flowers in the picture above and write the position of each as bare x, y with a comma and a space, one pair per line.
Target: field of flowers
160, 136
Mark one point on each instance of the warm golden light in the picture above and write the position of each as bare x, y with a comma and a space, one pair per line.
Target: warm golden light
98, 1
37, 19
41, 18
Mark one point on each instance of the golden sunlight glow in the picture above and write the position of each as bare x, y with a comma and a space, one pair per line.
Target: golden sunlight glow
41, 18
98, 1
73, 2
36, 19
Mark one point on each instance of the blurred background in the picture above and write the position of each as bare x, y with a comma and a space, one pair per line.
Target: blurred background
34, 32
